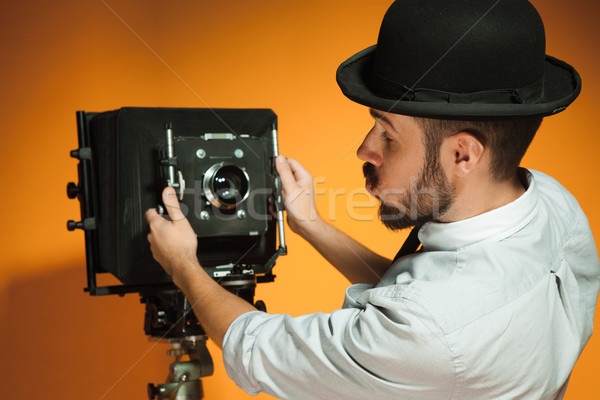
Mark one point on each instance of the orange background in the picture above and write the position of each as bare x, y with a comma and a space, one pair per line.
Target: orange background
59, 57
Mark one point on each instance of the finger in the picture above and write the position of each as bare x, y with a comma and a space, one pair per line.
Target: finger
172, 204
150, 214
300, 173
285, 173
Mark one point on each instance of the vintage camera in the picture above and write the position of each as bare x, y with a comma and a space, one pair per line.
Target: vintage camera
221, 164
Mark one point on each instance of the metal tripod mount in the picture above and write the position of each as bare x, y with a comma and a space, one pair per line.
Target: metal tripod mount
183, 381
169, 318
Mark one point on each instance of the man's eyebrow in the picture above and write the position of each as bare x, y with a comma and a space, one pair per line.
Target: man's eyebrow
378, 115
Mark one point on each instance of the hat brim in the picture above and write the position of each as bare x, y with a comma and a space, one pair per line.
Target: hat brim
562, 85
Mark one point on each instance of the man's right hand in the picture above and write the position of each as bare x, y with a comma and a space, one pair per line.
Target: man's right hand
352, 259
298, 194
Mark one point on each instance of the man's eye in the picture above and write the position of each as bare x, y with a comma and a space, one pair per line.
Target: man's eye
385, 137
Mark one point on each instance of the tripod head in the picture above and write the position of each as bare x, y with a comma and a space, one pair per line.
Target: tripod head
183, 381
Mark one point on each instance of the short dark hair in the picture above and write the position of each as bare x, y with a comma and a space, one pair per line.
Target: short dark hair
507, 139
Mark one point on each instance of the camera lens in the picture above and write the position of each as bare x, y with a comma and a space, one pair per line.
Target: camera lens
226, 185
230, 184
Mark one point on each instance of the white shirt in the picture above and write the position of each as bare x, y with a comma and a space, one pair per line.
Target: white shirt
498, 306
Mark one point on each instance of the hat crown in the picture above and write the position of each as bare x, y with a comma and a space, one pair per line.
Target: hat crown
463, 59
459, 46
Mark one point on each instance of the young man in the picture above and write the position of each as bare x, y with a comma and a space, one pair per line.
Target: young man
499, 301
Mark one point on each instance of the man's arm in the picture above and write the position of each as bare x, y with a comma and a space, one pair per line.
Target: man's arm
356, 262
173, 244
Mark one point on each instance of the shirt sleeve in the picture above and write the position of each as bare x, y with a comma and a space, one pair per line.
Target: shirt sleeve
388, 348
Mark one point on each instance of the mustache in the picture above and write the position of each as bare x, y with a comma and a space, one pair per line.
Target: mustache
370, 174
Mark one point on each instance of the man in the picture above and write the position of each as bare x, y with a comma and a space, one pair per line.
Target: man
499, 301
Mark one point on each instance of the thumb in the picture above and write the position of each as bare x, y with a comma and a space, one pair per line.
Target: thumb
285, 173
172, 204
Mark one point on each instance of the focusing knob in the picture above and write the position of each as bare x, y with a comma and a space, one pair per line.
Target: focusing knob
84, 153
73, 190
86, 224
153, 391
72, 225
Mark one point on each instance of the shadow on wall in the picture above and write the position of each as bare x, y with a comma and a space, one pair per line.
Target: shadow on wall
57, 342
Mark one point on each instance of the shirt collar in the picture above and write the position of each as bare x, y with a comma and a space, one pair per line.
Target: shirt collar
492, 225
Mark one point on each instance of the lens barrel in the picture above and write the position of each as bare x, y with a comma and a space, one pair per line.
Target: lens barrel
226, 185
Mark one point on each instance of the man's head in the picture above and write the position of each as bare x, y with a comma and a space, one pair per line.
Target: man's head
418, 168
470, 81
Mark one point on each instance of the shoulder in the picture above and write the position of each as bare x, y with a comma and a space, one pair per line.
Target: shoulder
562, 223
553, 196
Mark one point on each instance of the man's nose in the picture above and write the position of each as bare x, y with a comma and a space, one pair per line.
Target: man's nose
369, 150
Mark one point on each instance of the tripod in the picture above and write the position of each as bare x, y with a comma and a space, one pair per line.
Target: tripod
183, 382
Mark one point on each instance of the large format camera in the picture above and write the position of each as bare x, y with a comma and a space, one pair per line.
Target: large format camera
221, 164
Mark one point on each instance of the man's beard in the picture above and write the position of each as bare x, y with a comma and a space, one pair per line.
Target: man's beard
427, 198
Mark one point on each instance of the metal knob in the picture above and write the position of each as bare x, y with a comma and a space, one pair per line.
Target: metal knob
84, 153
86, 224
72, 225
73, 190
153, 391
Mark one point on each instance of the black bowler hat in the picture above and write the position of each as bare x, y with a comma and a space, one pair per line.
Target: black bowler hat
460, 59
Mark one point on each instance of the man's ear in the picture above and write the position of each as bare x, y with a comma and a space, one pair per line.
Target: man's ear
462, 153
